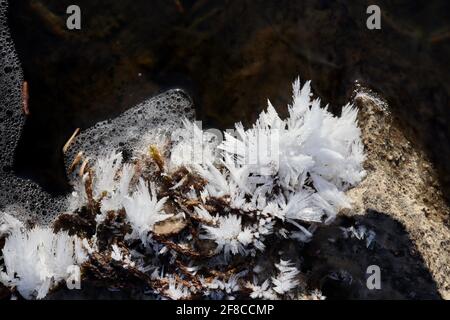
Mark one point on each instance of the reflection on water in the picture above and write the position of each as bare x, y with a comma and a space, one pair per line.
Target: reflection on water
231, 56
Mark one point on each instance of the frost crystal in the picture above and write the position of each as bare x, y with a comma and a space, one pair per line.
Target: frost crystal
106, 169
144, 210
285, 281
229, 235
115, 200
262, 291
38, 259
177, 291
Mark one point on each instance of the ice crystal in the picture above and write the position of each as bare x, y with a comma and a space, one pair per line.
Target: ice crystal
36, 260
177, 291
262, 291
144, 210
105, 169
285, 281
116, 199
229, 235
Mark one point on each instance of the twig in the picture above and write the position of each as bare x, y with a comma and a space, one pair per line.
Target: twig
25, 98
71, 139
75, 161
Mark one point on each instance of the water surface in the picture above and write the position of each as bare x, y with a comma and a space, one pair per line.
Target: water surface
230, 56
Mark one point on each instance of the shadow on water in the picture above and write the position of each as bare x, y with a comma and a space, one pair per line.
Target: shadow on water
338, 265
231, 56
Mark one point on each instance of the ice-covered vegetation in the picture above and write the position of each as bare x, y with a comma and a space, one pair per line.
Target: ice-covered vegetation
191, 216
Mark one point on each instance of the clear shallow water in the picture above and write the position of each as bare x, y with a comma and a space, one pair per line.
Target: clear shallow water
230, 56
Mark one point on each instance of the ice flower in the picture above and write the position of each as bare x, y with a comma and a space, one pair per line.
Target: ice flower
37, 260
229, 235
262, 291
176, 291
143, 210
286, 280
105, 169
115, 199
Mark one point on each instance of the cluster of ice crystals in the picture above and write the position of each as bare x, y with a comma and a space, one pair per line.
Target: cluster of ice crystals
294, 170
279, 180
38, 259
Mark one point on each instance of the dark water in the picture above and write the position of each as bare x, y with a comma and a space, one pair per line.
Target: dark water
230, 56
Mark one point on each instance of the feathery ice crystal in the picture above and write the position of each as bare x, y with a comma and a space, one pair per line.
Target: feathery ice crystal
182, 217
144, 210
38, 259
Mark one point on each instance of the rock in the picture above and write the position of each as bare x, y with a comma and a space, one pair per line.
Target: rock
393, 197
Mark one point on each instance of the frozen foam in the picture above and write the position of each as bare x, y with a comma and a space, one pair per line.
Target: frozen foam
11, 79
164, 113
